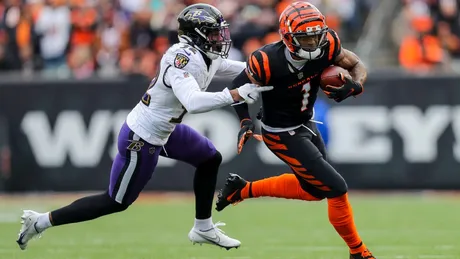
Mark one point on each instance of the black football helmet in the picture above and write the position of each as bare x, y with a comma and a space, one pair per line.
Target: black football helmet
204, 27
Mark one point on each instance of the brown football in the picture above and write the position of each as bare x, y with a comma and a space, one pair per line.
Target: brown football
331, 76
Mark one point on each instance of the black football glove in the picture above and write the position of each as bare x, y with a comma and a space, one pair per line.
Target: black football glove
246, 132
349, 88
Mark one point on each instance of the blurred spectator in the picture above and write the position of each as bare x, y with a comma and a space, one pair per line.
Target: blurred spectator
140, 58
14, 36
448, 25
420, 50
431, 35
84, 19
83, 38
111, 40
53, 25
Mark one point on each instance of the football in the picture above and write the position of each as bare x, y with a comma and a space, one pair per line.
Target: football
331, 76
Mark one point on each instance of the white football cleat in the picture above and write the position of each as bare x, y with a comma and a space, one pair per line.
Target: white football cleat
213, 236
28, 230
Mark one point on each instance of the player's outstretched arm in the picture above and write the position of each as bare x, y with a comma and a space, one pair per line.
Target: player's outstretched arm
189, 94
194, 100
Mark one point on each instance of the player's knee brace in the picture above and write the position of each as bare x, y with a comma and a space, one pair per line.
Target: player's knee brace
330, 177
212, 164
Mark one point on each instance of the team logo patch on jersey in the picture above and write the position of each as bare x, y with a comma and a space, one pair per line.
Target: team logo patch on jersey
186, 74
181, 60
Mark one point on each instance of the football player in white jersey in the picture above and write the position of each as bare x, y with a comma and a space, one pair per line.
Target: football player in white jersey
153, 129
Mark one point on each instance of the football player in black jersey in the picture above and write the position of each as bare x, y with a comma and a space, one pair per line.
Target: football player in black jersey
293, 66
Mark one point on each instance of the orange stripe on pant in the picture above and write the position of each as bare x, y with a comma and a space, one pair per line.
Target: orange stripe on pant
272, 145
288, 159
293, 163
272, 136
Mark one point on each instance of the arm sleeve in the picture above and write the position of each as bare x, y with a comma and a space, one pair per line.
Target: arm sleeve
242, 110
230, 68
190, 95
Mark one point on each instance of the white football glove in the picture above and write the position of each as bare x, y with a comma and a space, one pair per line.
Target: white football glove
250, 92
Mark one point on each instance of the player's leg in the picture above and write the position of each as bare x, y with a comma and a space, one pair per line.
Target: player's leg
131, 170
315, 176
288, 185
187, 145
340, 211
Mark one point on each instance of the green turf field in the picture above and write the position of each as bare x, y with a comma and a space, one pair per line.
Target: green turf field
393, 226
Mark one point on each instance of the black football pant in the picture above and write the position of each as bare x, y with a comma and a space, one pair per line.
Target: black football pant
305, 153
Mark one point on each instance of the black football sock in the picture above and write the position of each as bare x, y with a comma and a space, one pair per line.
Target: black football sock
86, 208
204, 186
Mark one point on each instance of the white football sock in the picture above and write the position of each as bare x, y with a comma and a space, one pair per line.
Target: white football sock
43, 222
203, 224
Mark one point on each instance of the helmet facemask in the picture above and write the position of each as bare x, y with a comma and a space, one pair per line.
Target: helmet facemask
216, 40
308, 44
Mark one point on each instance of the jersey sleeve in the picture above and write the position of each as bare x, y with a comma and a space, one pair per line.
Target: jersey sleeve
258, 67
188, 92
230, 68
335, 47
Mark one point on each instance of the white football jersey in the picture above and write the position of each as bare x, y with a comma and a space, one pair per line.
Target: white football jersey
178, 87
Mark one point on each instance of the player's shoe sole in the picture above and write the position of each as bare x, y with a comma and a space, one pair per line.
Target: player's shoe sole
231, 193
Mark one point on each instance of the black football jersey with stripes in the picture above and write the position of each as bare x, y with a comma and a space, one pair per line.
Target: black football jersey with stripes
291, 101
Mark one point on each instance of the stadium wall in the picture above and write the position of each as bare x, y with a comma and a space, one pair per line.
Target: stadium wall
402, 133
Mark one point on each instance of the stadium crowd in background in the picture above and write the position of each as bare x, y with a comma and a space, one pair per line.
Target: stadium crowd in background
428, 32
80, 38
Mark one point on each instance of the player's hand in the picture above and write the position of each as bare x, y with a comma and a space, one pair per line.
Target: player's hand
246, 132
250, 92
349, 88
